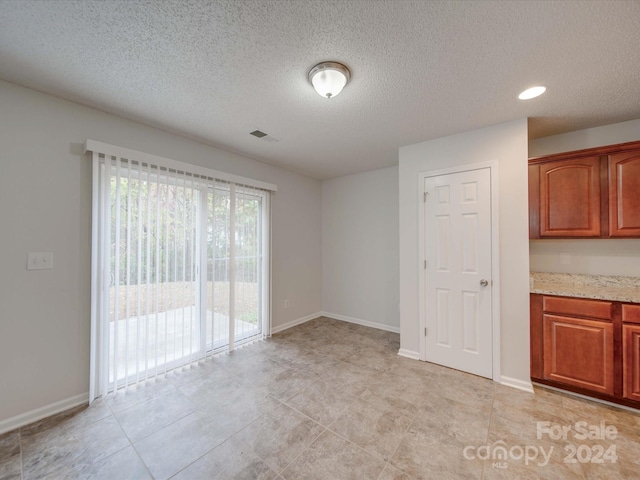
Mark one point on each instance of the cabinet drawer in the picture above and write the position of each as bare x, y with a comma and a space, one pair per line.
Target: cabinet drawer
631, 313
578, 307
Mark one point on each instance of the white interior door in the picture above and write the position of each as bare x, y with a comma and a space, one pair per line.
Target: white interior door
458, 271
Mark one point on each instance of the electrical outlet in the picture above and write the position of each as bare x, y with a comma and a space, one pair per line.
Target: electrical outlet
39, 260
286, 304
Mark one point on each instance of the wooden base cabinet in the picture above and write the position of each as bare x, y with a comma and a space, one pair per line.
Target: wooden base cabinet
579, 352
631, 351
631, 354
586, 346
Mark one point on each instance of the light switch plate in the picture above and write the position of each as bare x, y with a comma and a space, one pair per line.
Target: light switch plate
39, 260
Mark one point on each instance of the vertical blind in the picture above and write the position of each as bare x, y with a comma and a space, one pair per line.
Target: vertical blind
180, 266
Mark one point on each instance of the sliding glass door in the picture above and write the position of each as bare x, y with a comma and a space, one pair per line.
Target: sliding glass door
234, 260
181, 268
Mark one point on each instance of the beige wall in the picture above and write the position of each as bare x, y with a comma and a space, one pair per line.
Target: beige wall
45, 205
505, 144
596, 257
586, 256
587, 138
360, 248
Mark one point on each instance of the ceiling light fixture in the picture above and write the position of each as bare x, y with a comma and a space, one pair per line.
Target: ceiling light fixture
532, 92
329, 78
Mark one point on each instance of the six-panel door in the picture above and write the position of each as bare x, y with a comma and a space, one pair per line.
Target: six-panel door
458, 271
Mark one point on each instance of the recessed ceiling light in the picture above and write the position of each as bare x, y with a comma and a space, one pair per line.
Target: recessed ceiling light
532, 92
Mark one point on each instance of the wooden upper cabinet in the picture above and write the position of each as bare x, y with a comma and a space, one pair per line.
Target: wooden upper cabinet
570, 198
586, 193
624, 194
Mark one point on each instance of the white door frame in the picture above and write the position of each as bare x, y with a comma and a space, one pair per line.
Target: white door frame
495, 260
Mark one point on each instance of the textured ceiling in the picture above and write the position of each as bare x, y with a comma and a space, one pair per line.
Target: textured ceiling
217, 70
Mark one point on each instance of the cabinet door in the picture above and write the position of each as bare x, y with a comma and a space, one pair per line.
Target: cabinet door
631, 361
579, 352
624, 194
570, 198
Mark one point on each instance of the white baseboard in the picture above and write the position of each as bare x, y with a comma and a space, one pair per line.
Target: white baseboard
403, 352
293, 323
42, 412
364, 323
335, 316
523, 385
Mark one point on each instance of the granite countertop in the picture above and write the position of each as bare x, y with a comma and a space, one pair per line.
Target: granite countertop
600, 287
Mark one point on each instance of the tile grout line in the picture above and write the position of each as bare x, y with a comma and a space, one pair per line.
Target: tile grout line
251, 423
135, 450
203, 455
493, 400
21, 454
415, 416
316, 421
353, 443
161, 428
146, 467
181, 418
198, 409
327, 428
304, 449
68, 468
357, 446
280, 473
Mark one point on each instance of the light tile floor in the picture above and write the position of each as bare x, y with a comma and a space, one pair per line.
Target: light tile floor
325, 400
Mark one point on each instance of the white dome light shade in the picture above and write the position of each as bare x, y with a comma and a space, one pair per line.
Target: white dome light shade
532, 92
329, 78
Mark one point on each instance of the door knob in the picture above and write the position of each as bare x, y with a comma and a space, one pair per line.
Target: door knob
484, 283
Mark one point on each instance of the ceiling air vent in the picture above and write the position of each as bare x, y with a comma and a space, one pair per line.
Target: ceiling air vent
263, 136
258, 133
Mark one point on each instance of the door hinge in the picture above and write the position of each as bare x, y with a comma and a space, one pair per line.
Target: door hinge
426, 194
425, 264
425, 331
